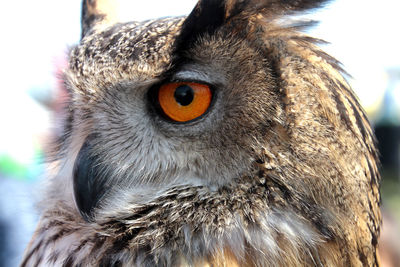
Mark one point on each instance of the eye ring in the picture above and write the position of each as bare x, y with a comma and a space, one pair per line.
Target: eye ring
184, 101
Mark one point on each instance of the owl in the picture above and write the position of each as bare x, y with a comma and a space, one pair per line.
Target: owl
224, 138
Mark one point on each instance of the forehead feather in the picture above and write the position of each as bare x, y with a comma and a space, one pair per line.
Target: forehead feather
126, 51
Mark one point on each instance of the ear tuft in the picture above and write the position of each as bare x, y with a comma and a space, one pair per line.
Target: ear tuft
97, 13
205, 17
270, 7
208, 15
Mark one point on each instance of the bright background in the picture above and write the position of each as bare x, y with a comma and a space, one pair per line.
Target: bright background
364, 36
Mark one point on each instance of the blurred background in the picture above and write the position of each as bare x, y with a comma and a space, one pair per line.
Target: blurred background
364, 36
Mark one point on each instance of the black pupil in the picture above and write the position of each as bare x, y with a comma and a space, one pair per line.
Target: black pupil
184, 95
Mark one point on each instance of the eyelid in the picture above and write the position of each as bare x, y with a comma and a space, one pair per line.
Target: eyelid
191, 76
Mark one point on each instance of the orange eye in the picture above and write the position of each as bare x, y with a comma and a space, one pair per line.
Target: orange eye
184, 101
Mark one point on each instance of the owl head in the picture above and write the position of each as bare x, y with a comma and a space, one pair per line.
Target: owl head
224, 137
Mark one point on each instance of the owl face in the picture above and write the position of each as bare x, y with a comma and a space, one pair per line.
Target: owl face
131, 140
226, 138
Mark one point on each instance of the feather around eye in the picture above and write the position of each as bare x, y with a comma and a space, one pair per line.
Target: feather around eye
184, 101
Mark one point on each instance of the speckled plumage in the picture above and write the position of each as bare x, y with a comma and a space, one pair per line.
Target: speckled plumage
281, 170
